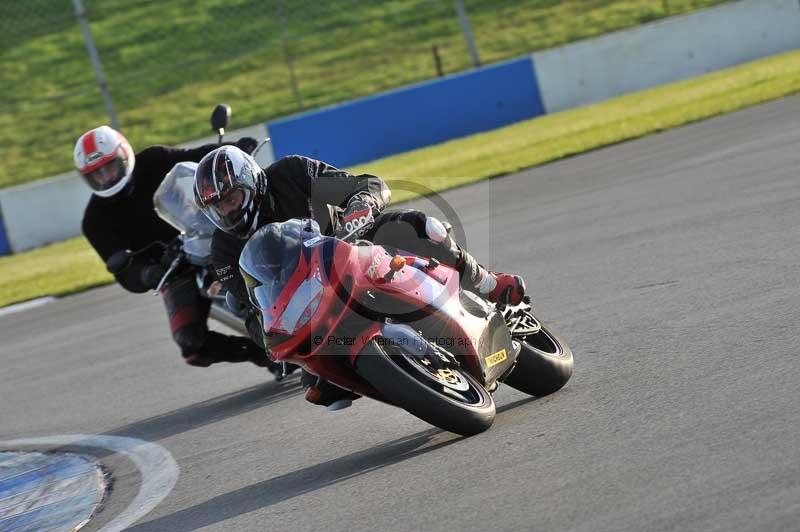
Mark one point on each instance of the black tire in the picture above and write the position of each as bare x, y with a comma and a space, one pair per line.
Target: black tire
544, 364
395, 376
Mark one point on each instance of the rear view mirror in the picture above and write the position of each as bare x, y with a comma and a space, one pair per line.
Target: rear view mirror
220, 118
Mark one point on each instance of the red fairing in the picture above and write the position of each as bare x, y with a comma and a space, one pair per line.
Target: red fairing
357, 284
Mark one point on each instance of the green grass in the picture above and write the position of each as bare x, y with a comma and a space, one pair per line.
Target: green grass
558, 135
57, 269
169, 61
71, 266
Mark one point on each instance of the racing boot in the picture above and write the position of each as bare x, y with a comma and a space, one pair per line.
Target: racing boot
219, 347
198, 360
259, 357
496, 287
240, 349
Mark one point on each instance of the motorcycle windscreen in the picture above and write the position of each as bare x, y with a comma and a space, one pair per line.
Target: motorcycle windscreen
174, 202
269, 260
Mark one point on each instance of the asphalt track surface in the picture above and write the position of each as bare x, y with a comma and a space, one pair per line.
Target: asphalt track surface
669, 263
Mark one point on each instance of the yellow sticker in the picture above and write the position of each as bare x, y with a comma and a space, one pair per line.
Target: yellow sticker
495, 358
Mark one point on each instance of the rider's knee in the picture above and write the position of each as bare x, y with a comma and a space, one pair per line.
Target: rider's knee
425, 227
191, 338
436, 230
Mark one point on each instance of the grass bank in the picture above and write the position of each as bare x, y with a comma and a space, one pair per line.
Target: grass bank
167, 62
71, 266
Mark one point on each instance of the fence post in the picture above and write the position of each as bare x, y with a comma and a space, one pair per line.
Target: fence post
437, 59
288, 56
80, 12
467, 31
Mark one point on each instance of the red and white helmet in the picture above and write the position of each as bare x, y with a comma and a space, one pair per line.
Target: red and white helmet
105, 160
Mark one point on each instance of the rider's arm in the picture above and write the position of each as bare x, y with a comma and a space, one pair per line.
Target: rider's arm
326, 184
156, 161
100, 234
225, 251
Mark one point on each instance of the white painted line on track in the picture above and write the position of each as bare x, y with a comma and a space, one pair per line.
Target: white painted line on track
158, 469
27, 305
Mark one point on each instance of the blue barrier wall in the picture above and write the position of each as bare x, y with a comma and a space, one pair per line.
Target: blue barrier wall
5, 249
413, 117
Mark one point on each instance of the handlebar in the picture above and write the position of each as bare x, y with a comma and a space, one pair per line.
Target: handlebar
172, 267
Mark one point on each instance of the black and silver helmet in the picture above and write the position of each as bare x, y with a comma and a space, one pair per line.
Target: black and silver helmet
228, 187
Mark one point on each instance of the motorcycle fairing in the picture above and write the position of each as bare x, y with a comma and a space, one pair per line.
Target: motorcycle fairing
355, 280
441, 315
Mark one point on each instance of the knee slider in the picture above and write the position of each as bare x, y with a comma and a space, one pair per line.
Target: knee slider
435, 230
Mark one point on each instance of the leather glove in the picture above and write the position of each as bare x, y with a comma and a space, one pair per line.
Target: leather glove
119, 261
152, 274
356, 220
247, 144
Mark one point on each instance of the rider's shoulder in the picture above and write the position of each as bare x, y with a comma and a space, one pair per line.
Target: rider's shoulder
152, 153
283, 162
98, 205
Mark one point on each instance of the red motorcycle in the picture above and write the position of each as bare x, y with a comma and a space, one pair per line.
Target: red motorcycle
395, 327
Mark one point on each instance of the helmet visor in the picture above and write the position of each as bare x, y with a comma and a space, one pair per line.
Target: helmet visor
107, 175
229, 210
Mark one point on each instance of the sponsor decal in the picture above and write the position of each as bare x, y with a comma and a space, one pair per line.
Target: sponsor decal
495, 358
372, 271
92, 157
224, 273
312, 168
312, 241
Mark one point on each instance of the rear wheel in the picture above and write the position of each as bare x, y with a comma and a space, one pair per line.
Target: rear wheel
448, 398
544, 364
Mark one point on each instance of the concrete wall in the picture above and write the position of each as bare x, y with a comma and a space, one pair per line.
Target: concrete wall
665, 51
5, 249
420, 115
42, 212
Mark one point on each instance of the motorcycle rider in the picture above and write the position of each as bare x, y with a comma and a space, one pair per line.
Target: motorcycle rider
120, 216
239, 197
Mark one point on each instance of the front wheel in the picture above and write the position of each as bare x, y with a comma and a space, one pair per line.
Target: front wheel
544, 364
450, 399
